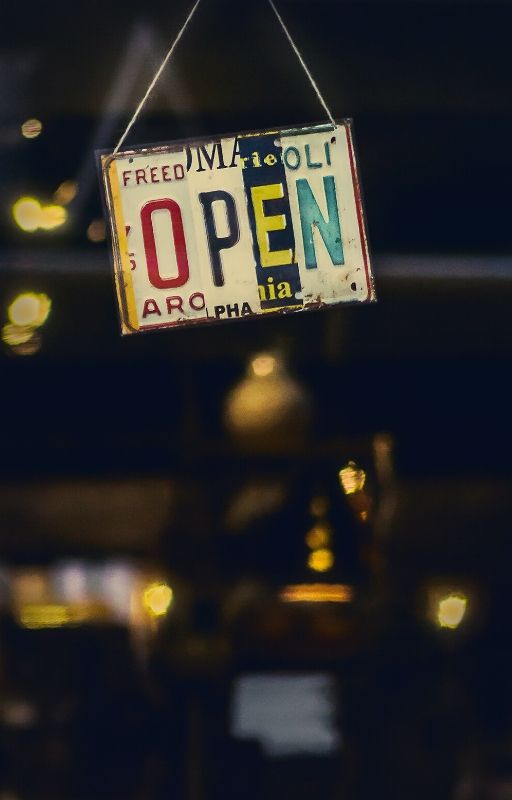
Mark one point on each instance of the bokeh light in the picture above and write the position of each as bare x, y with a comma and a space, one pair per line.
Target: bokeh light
321, 560
352, 479
451, 610
319, 536
31, 128
66, 192
96, 232
30, 216
319, 506
317, 593
264, 365
29, 309
52, 217
14, 335
27, 214
157, 599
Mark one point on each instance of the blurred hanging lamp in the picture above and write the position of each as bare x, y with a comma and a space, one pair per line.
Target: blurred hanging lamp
268, 409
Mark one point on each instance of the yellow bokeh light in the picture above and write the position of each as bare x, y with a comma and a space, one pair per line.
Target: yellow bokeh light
263, 365
96, 232
31, 128
27, 214
30, 215
29, 309
451, 610
352, 479
321, 560
157, 598
14, 335
318, 536
52, 217
66, 192
44, 616
52, 615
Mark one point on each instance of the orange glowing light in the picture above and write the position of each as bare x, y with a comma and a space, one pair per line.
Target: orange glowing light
317, 593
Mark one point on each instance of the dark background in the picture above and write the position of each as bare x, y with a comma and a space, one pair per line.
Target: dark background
421, 712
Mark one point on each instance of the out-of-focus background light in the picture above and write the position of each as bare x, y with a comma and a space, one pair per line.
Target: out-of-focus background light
31, 128
321, 560
29, 309
52, 216
317, 593
451, 610
66, 192
27, 214
26, 313
22, 341
268, 408
157, 599
30, 216
14, 335
319, 506
264, 365
352, 479
318, 536
96, 232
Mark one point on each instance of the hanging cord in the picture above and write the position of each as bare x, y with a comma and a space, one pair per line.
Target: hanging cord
172, 49
156, 77
303, 63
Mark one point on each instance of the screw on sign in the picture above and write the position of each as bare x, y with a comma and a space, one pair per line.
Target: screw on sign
266, 222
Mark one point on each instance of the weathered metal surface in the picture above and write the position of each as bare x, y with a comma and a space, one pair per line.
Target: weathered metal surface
255, 223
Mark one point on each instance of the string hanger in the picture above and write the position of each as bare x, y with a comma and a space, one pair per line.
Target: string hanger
172, 48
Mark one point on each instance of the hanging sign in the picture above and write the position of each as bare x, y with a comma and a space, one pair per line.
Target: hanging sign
232, 227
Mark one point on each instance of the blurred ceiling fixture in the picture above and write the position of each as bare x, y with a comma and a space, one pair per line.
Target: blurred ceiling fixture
264, 365
30, 216
31, 128
96, 232
157, 599
267, 409
317, 593
66, 192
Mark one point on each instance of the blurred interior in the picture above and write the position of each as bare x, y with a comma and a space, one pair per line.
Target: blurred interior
266, 559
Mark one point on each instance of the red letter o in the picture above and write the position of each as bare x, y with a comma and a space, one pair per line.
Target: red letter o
180, 246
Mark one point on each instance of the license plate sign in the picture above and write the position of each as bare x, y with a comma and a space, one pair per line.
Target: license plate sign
227, 228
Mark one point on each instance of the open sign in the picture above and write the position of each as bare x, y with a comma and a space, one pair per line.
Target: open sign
256, 223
